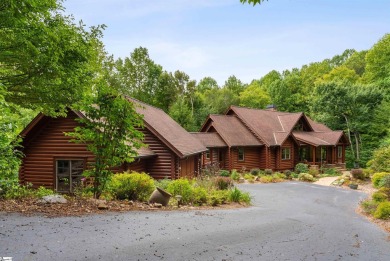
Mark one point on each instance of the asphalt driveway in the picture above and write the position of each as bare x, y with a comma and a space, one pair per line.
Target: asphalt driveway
289, 221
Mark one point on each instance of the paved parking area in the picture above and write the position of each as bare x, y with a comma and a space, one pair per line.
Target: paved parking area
288, 221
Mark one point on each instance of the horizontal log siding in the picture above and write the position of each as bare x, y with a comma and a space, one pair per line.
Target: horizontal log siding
251, 158
263, 157
137, 165
47, 143
160, 166
287, 164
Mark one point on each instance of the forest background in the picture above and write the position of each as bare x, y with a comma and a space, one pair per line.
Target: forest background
49, 62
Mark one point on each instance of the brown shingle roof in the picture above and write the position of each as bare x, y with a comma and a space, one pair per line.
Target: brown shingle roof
233, 132
168, 131
272, 127
210, 139
319, 138
318, 127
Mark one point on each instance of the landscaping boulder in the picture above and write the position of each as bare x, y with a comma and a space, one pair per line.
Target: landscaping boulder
52, 199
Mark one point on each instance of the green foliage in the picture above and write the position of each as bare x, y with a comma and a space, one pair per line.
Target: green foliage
42, 191
357, 174
110, 131
331, 172
162, 183
294, 175
278, 176
379, 196
377, 179
255, 172
266, 179
235, 175
380, 161
224, 173
132, 186
268, 171
199, 196
287, 173
47, 60
370, 206
314, 172
182, 187
238, 196
383, 210
254, 96
17, 191
378, 60
223, 183
301, 168
305, 177
218, 197
249, 177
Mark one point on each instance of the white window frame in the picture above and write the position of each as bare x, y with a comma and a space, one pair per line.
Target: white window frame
284, 154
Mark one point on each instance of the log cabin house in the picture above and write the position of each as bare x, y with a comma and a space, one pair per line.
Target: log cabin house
245, 139
51, 160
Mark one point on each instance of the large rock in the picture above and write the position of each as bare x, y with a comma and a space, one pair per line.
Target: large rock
52, 199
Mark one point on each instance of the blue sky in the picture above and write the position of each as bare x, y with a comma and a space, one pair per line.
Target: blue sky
219, 38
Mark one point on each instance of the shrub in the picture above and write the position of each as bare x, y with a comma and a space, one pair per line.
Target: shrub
385, 191
385, 182
17, 191
268, 171
301, 168
383, 210
163, 183
218, 197
199, 196
369, 206
224, 173
377, 178
249, 177
379, 196
266, 179
235, 176
278, 177
306, 177
223, 183
357, 174
331, 172
314, 172
294, 175
42, 191
288, 173
132, 186
255, 172
182, 187
381, 160
237, 195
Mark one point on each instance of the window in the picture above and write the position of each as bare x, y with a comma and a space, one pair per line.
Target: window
241, 154
68, 174
339, 152
286, 153
208, 154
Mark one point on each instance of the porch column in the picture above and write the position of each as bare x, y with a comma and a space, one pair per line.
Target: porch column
314, 155
211, 155
229, 159
343, 155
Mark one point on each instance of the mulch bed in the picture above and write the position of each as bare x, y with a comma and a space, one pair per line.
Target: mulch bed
81, 207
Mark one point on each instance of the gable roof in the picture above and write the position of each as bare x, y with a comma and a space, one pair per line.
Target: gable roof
232, 131
181, 142
175, 137
272, 127
210, 139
